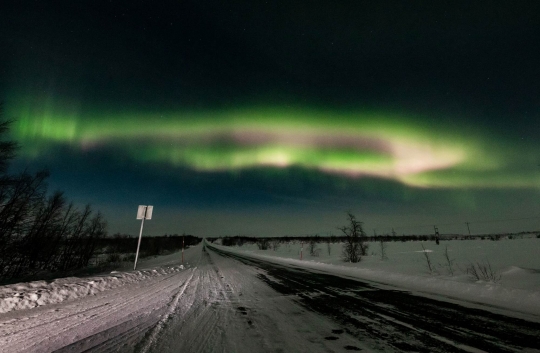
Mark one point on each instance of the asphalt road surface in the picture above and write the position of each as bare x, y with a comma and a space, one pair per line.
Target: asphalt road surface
394, 320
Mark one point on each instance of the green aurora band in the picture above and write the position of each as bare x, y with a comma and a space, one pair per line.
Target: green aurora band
358, 143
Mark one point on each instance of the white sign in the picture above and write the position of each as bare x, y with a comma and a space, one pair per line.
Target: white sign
145, 212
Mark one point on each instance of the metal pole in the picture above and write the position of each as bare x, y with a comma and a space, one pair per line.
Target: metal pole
469, 229
139, 243
182, 249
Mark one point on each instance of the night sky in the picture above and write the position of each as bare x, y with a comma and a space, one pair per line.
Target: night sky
275, 118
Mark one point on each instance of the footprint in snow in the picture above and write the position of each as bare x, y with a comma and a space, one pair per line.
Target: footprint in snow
352, 348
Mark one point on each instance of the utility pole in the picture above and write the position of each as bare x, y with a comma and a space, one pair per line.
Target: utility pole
469, 229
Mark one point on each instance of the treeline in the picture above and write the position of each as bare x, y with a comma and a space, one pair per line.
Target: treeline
40, 232
125, 245
241, 240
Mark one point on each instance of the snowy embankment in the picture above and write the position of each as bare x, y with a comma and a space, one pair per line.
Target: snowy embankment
517, 291
32, 294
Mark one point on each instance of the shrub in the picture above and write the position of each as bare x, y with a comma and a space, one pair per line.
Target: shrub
129, 258
114, 258
482, 271
263, 244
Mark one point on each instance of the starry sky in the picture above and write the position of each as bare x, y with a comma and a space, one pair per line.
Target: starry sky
276, 118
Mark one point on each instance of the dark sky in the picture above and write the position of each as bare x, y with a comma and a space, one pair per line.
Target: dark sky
274, 118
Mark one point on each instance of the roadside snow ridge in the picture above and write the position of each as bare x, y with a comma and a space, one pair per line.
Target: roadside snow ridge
37, 293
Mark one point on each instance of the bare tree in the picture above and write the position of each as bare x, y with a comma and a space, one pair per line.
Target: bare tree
449, 261
21, 199
40, 232
328, 246
41, 242
383, 247
355, 240
7, 148
428, 259
313, 249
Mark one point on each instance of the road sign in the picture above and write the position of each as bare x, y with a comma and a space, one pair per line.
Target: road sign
145, 212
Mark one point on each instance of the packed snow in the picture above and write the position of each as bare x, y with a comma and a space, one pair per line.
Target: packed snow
37, 293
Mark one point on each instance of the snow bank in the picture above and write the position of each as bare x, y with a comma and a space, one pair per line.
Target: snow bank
524, 300
32, 294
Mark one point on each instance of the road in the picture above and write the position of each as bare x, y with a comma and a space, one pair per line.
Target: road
394, 320
224, 302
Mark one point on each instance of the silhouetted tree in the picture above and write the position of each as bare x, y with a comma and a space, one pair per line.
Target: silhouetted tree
40, 232
7, 148
355, 246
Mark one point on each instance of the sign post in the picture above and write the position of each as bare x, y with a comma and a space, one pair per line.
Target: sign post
144, 212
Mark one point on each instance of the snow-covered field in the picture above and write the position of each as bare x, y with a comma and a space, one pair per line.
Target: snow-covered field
515, 261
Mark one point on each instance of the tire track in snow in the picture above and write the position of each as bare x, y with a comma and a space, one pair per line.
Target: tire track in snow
153, 334
94, 309
204, 297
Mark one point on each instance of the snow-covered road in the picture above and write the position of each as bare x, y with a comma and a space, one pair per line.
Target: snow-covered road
222, 302
216, 304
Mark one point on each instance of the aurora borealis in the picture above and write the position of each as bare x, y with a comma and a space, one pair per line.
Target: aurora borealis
276, 119
352, 144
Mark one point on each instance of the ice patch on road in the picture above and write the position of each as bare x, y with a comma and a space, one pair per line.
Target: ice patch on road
37, 293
